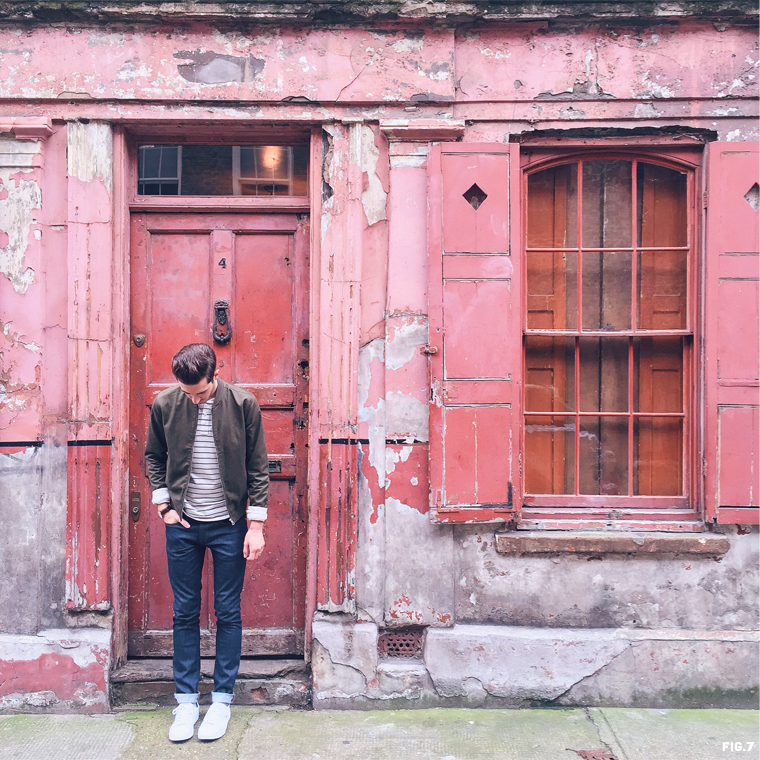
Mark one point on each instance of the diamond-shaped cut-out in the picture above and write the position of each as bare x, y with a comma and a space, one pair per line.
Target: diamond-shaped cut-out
752, 196
475, 196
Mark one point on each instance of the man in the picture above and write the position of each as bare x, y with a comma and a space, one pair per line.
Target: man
207, 459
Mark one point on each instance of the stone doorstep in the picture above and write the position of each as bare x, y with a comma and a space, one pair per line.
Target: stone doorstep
588, 542
260, 682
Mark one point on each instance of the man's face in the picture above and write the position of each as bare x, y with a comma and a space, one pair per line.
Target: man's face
202, 391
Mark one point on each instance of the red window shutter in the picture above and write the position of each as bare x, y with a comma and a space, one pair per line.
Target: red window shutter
732, 334
475, 335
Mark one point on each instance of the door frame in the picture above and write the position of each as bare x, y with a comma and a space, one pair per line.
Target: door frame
125, 139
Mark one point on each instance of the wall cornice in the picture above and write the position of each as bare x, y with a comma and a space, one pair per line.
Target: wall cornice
352, 12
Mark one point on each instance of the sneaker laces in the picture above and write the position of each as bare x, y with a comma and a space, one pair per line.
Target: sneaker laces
184, 707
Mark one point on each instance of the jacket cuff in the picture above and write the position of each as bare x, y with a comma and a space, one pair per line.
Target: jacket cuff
161, 496
257, 513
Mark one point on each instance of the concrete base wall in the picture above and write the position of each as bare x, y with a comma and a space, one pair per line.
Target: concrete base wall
58, 670
507, 666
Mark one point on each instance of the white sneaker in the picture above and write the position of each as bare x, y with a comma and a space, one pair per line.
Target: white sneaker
185, 718
215, 723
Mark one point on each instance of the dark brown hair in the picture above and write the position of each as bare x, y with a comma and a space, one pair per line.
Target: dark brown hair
194, 362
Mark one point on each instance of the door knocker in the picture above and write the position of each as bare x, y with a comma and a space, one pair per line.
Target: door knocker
222, 318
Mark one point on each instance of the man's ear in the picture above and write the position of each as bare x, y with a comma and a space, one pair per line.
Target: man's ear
217, 371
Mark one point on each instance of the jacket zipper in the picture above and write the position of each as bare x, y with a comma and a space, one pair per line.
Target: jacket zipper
213, 435
190, 469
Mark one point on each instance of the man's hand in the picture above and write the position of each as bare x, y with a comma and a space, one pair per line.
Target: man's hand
171, 517
254, 540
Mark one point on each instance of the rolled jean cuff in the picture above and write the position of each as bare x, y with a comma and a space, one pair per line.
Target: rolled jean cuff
220, 696
186, 698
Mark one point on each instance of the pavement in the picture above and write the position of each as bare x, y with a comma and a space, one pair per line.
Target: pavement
437, 734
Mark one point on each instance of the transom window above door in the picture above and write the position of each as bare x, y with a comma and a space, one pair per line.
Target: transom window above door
607, 338
246, 170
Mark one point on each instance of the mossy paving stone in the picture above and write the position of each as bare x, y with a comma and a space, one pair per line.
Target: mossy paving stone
659, 734
151, 740
62, 737
435, 734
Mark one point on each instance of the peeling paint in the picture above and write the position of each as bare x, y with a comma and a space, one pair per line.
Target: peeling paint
90, 152
407, 416
55, 671
405, 341
393, 457
373, 415
19, 197
212, 68
374, 197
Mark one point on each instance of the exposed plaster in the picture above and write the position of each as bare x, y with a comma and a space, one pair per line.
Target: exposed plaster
18, 198
213, 68
405, 341
17, 396
393, 457
407, 416
372, 414
90, 152
374, 197
58, 670
334, 680
332, 176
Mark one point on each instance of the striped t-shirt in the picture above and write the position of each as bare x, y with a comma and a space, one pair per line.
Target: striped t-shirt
204, 497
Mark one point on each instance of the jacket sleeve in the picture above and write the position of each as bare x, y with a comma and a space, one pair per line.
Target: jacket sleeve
257, 463
155, 449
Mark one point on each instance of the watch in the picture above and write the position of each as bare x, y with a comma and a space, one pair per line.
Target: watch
162, 512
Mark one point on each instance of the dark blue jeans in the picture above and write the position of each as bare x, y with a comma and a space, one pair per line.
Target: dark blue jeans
185, 552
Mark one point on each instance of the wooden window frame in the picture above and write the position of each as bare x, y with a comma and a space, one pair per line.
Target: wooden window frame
212, 135
624, 511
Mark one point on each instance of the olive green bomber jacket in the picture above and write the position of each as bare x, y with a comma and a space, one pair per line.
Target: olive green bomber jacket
238, 436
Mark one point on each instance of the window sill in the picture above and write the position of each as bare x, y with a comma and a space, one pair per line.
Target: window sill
633, 543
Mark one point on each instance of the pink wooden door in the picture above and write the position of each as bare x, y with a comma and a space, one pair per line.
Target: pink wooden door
474, 335
182, 264
732, 334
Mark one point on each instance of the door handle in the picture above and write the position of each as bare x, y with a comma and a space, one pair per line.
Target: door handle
222, 318
135, 505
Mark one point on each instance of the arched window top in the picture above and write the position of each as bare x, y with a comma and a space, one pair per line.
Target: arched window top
614, 203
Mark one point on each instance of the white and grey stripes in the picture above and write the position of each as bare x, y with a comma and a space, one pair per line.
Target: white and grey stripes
204, 497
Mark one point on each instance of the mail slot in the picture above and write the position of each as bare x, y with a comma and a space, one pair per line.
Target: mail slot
275, 465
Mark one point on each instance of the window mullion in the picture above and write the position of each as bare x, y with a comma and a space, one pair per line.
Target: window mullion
630, 415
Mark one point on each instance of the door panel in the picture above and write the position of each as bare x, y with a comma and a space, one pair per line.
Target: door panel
181, 265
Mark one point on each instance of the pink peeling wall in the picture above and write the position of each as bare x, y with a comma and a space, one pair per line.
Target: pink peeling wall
517, 76
370, 89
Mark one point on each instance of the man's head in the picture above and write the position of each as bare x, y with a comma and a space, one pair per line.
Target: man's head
194, 366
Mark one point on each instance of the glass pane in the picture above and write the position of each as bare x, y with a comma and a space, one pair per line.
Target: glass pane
553, 207
169, 162
603, 372
661, 207
550, 455
607, 281
603, 456
658, 456
223, 169
658, 374
552, 290
606, 204
549, 374
662, 282
272, 170
150, 162
206, 170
